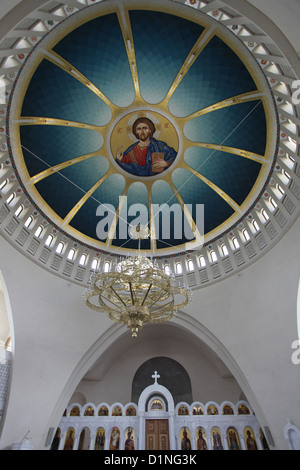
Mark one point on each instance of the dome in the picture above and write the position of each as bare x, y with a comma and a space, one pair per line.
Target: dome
209, 107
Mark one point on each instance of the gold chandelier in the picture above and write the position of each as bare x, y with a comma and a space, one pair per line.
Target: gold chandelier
137, 292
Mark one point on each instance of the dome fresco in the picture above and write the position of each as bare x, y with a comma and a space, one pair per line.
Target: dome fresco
209, 109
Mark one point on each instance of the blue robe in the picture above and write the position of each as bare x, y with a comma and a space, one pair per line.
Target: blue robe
154, 146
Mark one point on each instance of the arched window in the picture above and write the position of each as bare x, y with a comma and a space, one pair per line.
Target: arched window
3, 184
49, 240
167, 269
265, 215
246, 235
106, 267
202, 262
94, 264
213, 256
178, 268
19, 210
224, 250
274, 204
60, 248
71, 254
281, 190
28, 221
255, 225
10, 199
82, 260
190, 265
235, 243
39, 231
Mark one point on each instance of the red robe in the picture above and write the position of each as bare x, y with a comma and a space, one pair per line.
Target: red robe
140, 155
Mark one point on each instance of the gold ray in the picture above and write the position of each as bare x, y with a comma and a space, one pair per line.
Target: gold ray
114, 223
125, 26
214, 187
152, 222
222, 148
200, 44
67, 67
243, 98
34, 120
87, 195
198, 237
61, 166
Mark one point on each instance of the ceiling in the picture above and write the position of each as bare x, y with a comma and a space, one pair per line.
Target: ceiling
83, 88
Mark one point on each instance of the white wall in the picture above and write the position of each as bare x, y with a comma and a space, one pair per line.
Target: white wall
208, 381
253, 315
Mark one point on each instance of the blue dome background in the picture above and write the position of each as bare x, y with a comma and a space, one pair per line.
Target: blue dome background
162, 43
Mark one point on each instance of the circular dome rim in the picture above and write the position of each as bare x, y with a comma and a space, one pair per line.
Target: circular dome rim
281, 220
250, 63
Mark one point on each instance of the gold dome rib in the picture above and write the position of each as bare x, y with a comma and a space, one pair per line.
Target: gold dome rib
61, 166
223, 148
117, 217
199, 46
152, 221
47, 121
125, 25
243, 98
83, 200
56, 59
214, 187
198, 237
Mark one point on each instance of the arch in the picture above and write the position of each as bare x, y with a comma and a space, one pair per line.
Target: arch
113, 336
250, 439
6, 346
129, 439
84, 440
216, 438
298, 310
197, 408
292, 436
5, 314
172, 375
233, 439
114, 443
75, 410
100, 439
103, 410
70, 439
153, 391
56, 440
201, 438
185, 438
89, 410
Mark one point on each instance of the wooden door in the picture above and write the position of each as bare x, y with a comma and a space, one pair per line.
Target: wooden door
157, 434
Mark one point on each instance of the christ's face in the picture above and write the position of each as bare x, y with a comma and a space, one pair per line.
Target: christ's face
143, 131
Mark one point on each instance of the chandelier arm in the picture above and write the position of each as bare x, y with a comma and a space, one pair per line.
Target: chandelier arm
163, 308
131, 293
108, 300
118, 296
158, 296
92, 306
146, 295
178, 290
